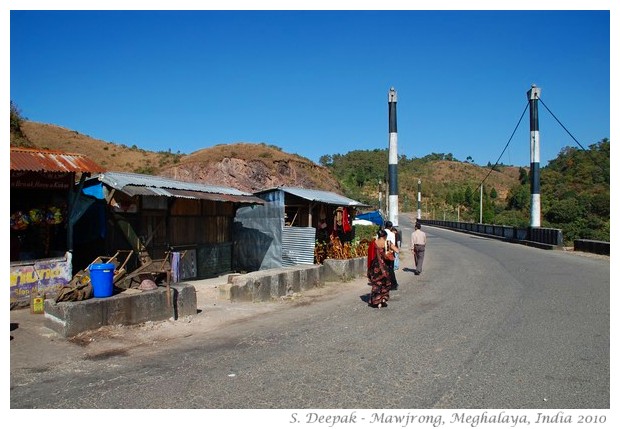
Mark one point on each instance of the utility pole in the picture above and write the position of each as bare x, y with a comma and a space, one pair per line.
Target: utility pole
393, 158
419, 199
533, 95
481, 203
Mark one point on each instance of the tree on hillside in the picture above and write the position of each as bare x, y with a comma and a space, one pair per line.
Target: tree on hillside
16, 118
469, 197
575, 195
17, 137
576, 191
325, 160
488, 208
518, 198
523, 176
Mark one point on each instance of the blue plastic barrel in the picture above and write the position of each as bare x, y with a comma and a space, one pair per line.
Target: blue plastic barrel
102, 279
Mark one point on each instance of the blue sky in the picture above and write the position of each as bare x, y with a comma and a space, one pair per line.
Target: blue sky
316, 82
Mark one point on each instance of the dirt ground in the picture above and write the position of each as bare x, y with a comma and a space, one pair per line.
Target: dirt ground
33, 345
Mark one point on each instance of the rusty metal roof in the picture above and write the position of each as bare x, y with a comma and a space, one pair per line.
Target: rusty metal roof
142, 184
26, 159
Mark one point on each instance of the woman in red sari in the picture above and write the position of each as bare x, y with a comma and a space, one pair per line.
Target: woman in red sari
378, 272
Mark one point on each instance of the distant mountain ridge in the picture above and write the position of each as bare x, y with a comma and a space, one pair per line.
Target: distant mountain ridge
252, 167
575, 186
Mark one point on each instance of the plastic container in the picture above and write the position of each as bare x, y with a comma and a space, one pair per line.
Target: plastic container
102, 279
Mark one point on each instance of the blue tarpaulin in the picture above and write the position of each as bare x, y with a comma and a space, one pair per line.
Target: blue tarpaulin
375, 217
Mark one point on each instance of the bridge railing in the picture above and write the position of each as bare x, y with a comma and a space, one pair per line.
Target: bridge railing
544, 236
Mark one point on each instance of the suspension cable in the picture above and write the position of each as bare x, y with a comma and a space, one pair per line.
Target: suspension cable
505, 147
562, 125
589, 153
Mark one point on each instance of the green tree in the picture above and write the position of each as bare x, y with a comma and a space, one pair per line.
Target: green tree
16, 118
518, 197
523, 176
468, 197
449, 199
325, 160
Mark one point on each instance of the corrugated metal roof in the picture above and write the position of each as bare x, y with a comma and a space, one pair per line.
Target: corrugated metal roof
132, 190
142, 184
118, 180
326, 197
26, 159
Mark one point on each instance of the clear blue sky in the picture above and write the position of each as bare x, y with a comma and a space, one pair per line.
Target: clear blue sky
316, 82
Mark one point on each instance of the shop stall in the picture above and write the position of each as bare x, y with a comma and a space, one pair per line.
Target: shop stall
43, 210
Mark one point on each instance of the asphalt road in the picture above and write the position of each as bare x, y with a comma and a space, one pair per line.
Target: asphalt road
487, 325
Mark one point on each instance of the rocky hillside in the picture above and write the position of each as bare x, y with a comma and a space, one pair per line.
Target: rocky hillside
251, 167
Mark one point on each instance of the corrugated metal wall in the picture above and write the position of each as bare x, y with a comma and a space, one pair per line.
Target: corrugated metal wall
298, 245
257, 233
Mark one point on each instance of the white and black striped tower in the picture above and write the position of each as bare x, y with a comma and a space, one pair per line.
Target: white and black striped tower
393, 159
533, 95
419, 199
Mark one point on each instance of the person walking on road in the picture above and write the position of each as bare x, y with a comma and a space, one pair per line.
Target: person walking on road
418, 245
378, 272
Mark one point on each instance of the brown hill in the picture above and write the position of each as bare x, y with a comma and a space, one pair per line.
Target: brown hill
245, 166
250, 167
462, 172
112, 156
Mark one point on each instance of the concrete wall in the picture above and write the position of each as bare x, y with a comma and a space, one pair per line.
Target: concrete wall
70, 318
342, 270
274, 283
592, 246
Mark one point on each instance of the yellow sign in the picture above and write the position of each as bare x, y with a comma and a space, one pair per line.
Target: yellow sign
37, 305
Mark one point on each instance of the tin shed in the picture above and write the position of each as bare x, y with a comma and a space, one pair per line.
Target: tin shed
161, 215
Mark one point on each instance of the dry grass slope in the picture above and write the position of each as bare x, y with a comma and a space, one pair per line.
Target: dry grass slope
249, 167
225, 164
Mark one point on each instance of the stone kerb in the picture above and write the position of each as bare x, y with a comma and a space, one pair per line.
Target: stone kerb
269, 284
274, 283
342, 270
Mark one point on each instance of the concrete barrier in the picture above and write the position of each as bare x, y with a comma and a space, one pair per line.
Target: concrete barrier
70, 318
266, 285
273, 283
343, 270
544, 238
592, 246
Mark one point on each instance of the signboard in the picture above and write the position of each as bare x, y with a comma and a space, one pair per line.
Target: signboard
41, 180
45, 276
